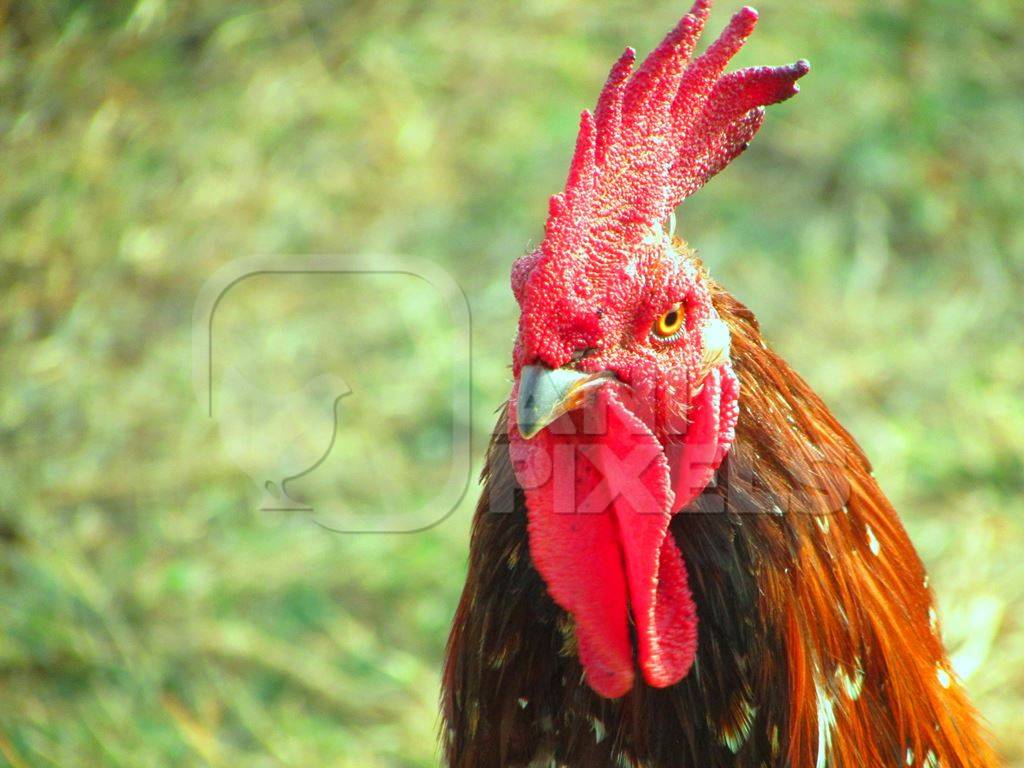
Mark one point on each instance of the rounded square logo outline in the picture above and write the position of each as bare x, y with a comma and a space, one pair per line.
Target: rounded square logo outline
456, 303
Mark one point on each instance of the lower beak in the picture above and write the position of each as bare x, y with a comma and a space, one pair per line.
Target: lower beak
545, 394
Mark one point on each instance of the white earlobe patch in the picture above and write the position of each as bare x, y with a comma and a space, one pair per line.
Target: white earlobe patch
715, 343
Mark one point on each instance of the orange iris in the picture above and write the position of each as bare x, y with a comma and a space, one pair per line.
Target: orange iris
670, 323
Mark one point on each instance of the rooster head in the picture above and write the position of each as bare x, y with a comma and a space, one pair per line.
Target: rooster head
625, 401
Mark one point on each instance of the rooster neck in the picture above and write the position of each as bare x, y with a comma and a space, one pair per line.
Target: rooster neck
817, 642
514, 689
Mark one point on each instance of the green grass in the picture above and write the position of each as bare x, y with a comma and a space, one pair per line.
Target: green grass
151, 615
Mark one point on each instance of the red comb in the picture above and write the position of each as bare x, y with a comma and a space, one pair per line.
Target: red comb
655, 138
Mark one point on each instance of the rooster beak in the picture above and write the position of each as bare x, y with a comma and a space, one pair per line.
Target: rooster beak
545, 394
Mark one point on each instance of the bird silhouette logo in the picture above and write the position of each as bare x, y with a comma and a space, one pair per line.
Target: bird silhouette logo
277, 438
270, 378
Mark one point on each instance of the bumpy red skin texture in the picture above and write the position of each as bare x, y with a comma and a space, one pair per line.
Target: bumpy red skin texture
602, 483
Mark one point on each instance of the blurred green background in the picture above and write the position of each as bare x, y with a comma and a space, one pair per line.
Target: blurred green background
150, 614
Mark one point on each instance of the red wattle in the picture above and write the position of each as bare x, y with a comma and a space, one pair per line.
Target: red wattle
599, 502
708, 434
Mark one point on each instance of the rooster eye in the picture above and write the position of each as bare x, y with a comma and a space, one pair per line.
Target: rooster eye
669, 326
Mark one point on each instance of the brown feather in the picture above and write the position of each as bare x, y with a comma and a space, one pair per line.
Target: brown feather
813, 606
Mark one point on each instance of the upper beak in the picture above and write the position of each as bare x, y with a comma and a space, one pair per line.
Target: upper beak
545, 394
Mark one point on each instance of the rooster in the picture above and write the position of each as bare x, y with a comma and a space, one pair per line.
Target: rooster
679, 557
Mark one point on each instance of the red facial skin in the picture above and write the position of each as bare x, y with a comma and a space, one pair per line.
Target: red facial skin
602, 482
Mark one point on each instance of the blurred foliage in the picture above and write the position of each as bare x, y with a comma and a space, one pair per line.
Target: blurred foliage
151, 616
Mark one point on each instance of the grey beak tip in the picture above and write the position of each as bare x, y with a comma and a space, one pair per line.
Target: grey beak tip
528, 414
545, 394
530, 430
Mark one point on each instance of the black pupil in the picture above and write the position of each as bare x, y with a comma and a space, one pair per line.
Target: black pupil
671, 318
